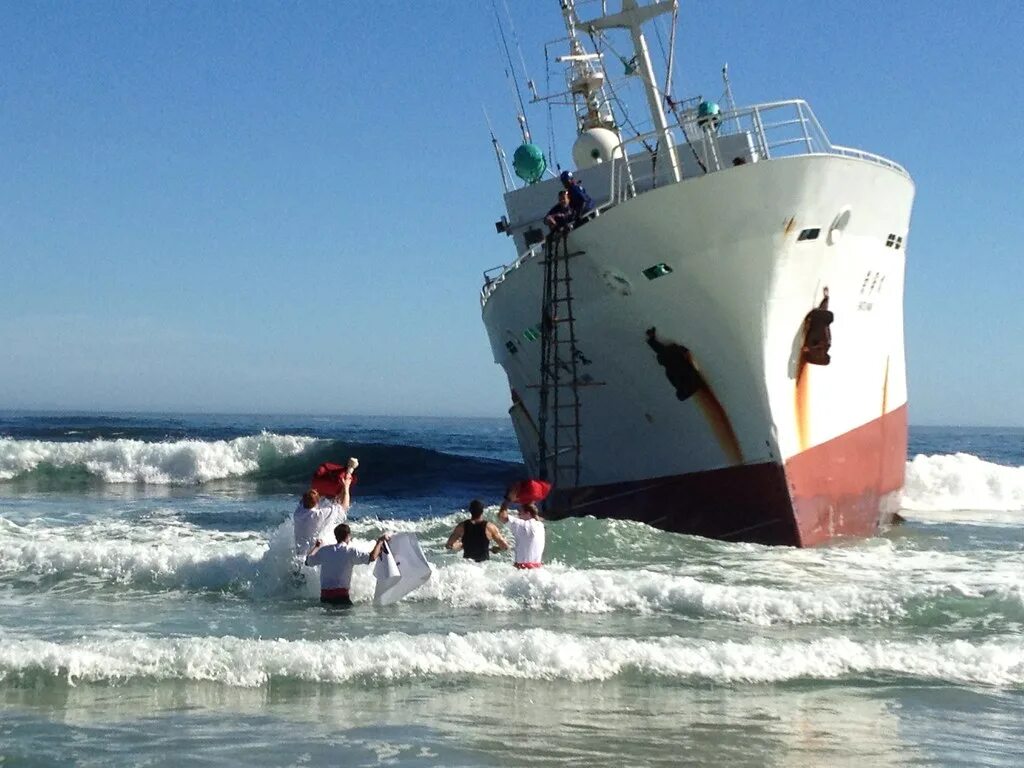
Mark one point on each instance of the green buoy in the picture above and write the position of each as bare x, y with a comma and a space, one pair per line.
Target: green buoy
529, 163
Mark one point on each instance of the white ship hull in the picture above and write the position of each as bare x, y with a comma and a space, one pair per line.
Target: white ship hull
772, 449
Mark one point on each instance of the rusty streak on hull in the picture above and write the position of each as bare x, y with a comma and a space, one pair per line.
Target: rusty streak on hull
802, 402
686, 377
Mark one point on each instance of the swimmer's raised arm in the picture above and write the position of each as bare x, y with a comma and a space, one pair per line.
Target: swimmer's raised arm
503, 509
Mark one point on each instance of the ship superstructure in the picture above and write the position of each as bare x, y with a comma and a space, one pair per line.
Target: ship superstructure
718, 348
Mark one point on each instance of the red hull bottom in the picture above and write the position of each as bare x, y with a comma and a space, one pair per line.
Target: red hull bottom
848, 486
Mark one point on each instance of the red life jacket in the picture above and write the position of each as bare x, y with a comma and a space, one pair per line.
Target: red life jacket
327, 479
530, 491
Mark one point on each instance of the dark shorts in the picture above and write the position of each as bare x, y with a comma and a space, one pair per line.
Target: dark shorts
335, 597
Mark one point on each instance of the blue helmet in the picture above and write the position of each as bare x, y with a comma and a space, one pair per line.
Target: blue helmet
566, 176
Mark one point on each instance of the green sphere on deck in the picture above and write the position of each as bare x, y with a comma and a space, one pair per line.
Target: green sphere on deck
529, 163
708, 112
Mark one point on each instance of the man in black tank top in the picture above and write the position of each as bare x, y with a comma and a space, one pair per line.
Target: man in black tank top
474, 536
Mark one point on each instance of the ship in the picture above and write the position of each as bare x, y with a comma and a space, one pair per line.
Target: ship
716, 347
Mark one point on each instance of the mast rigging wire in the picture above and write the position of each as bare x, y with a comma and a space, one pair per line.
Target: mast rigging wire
511, 73
671, 53
519, 48
619, 102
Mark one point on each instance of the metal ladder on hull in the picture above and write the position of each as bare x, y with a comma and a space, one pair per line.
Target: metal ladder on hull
559, 417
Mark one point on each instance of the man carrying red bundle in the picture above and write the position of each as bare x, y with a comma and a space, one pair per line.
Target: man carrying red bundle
324, 506
528, 527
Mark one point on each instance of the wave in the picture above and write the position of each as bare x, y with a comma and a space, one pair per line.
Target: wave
832, 588
270, 460
180, 462
938, 487
532, 654
941, 487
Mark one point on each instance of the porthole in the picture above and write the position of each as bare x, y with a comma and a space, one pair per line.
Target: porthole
839, 225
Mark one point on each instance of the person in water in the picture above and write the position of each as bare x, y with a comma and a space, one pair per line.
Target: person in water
561, 215
337, 561
528, 529
580, 202
474, 536
314, 515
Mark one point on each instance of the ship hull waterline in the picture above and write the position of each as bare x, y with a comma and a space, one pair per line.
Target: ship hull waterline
847, 487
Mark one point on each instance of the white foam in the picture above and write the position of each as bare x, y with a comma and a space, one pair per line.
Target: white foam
496, 587
166, 555
944, 487
876, 583
532, 654
179, 462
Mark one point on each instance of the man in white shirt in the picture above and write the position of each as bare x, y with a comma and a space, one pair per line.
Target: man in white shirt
315, 518
528, 529
336, 562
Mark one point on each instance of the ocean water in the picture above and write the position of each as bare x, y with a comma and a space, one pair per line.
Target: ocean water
148, 614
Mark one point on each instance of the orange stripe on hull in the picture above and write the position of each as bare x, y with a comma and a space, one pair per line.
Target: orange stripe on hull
847, 485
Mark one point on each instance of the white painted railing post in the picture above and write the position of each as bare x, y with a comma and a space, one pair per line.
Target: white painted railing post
759, 129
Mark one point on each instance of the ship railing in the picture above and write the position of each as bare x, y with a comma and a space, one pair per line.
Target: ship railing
494, 276
707, 143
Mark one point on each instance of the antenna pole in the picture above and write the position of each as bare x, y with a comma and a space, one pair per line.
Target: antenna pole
499, 154
729, 101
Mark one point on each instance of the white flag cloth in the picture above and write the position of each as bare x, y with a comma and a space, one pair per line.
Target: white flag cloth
400, 569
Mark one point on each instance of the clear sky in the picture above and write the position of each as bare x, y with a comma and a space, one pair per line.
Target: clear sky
287, 206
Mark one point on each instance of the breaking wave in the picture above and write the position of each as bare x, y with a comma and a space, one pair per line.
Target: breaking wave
181, 462
935, 484
269, 459
532, 654
940, 487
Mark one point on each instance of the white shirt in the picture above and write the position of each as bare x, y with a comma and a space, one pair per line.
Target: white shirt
529, 535
336, 562
316, 523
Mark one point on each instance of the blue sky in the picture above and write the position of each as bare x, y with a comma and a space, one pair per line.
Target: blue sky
287, 207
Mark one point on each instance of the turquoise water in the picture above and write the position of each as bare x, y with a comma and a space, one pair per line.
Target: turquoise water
149, 615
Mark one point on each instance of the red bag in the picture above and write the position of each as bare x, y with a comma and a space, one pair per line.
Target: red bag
327, 479
530, 491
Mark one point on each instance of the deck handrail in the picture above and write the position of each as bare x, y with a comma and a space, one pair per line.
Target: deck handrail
783, 135
775, 129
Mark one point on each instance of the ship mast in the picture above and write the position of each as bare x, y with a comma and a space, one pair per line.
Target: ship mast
585, 80
632, 18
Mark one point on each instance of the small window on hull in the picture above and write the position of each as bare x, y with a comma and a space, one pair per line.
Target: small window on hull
658, 270
809, 234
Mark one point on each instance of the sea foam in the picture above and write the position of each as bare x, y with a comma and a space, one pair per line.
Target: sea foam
179, 462
879, 585
532, 654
